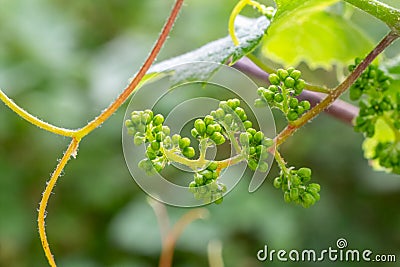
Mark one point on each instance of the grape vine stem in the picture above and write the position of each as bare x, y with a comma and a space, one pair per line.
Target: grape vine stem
77, 135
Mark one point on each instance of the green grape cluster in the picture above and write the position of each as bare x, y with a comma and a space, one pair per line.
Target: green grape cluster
377, 102
296, 187
147, 128
258, 146
281, 94
208, 128
206, 186
373, 81
388, 154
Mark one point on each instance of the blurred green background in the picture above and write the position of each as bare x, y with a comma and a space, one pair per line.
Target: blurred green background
65, 61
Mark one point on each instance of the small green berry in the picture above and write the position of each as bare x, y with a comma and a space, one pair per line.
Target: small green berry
295, 74
292, 116
194, 133
274, 79
184, 142
282, 74
166, 130
158, 119
198, 179
188, 152
138, 140
258, 137
252, 164
305, 104
155, 145
212, 166
200, 126
247, 124
175, 139
218, 138
289, 82
304, 172
293, 103
209, 120
278, 97
277, 182
294, 194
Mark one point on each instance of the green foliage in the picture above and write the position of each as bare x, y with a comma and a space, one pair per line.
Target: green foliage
296, 187
285, 86
379, 106
249, 32
307, 33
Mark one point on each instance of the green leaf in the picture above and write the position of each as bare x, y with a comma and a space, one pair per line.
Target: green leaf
249, 31
290, 10
305, 33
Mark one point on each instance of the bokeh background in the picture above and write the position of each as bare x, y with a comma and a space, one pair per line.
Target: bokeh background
64, 61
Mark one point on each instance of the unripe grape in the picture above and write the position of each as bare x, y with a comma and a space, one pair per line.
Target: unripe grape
273, 88
220, 113
258, 137
294, 194
212, 166
207, 174
244, 138
252, 164
160, 136
219, 200
218, 138
247, 124
228, 119
252, 131
194, 133
175, 139
307, 200
184, 142
128, 123
261, 90
210, 129
200, 126
293, 103
278, 97
198, 179
292, 116
277, 182
138, 140
155, 145
299, 110
304, 172
166, 130
289, 82
209, 120
286, 197
135, 119
268, 95
188, 152
305, 104
282, 74
158, 119
274, 79
295, 74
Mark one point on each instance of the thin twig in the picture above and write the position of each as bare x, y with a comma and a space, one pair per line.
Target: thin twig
71, 151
